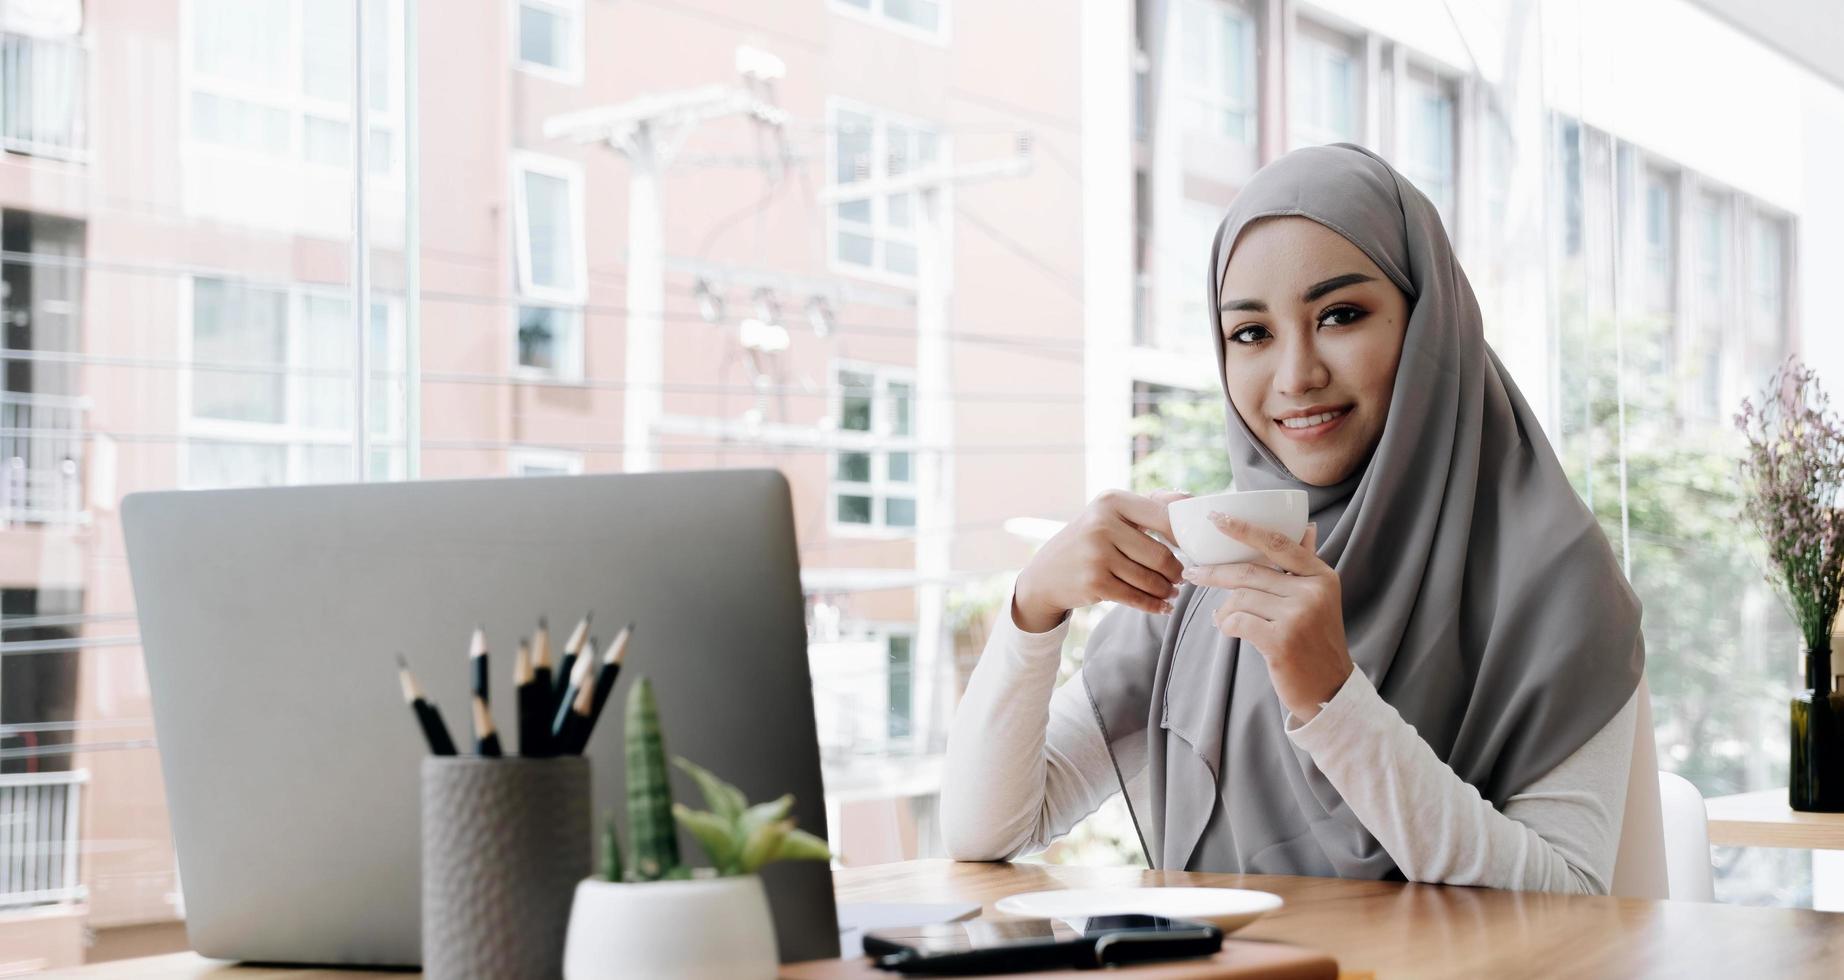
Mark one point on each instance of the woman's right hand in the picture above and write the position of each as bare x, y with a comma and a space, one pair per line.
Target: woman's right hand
1103, 555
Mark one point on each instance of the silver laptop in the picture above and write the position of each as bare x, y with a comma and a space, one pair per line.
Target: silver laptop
270, 619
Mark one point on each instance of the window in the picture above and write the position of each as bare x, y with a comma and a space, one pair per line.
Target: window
1191, 261
1767, 274
548, 232
873, 471
1325, 88
1660, 246
928, 17
271, 396
549, 37
1218, 69
901, 667
877, 234
274, 77
1714, 299
1428, 140
545, 462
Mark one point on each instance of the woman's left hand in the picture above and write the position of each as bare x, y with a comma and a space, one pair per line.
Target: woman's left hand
1294, 616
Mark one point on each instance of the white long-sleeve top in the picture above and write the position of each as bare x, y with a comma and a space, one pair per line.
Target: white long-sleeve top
1027, 761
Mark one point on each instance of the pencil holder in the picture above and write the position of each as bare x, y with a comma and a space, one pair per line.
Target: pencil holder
505, 840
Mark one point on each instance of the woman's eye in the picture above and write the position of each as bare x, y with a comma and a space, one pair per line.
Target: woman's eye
1340, 315
1247, 335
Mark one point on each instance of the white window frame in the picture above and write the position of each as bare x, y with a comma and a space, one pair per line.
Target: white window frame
879, 230
520, 457
876, 16
291, 433
1211, 100
879, 444
570, 300
1418, 81
575, 46
294, 101
1307, 35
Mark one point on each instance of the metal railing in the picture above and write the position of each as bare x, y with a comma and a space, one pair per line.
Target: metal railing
41, 459
42, 96
39, 837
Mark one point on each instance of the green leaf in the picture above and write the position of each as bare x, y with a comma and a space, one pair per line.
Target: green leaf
716, 835
763, 844
763, 814
725, 800
799, 845
611, 850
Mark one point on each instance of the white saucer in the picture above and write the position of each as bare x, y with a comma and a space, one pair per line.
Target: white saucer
1228, 909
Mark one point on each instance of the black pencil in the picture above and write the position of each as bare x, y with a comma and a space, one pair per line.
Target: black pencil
486, 739
566, 667
541, 662
568, 730
430, 720
532, 702
477, 659
605, 678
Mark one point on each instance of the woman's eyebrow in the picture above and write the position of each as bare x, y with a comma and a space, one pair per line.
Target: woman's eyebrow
1313, 292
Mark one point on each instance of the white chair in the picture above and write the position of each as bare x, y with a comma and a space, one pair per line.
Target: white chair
1664, 838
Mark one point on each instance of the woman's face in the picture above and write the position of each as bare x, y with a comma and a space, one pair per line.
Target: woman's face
1312, 331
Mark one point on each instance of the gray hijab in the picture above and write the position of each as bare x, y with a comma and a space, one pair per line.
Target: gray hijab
1480, 596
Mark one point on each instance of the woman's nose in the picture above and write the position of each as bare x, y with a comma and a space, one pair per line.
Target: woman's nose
1301, 370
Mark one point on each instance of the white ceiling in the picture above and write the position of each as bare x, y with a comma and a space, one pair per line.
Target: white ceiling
1811, 32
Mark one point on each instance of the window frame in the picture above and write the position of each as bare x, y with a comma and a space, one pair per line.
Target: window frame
571, 463
571, 301
1313, 34
292, 434
1202, 94
879, 229
575, 41
875, 16
1418, 81
879, 443
294, 101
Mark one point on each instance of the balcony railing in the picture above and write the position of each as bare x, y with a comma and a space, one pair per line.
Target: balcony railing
41, 459
39, 836
42, 96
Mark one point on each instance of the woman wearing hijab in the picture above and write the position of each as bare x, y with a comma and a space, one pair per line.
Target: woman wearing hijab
1436, 684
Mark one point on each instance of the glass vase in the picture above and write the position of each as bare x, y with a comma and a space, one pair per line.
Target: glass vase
1815, 782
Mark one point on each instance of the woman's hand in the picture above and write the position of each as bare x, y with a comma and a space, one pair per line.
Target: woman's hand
1105, 554
1294, 616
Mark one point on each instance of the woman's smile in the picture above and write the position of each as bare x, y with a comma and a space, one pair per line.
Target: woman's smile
1313, 424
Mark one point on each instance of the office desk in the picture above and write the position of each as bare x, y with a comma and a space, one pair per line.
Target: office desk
1389, 930
1764, 819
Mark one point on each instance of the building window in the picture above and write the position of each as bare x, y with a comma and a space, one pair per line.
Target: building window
877, 233
549, 35
928, 17
1325, 88
544, 462
1428, 139
271, 399
1714, 299
1218, 69
548, 238
901, 673
873, 470
1767, 328
274, 77
1659, 213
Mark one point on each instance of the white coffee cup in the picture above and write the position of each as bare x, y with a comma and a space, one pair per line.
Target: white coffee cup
1203, 544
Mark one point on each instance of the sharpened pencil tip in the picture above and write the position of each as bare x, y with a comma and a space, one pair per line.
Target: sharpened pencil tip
479, 645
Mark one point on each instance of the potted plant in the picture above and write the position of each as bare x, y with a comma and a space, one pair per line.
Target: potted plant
1794, 467
638, 917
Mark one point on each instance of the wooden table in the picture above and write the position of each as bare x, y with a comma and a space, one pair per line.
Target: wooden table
1373, 928
1764, 819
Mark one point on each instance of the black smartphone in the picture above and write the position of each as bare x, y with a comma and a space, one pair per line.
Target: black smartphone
1018, 945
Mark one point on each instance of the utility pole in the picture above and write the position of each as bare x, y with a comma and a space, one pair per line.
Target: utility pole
649, 131
934, 185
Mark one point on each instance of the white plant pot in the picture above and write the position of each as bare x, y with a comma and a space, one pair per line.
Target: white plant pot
701, 929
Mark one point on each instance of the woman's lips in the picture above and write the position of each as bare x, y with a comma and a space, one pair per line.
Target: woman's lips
1314, 432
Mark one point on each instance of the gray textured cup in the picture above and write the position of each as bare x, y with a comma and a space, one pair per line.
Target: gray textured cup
505, 841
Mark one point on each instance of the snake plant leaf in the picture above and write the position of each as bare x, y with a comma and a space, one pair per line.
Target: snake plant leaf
717, 836
725, 800
611, 850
